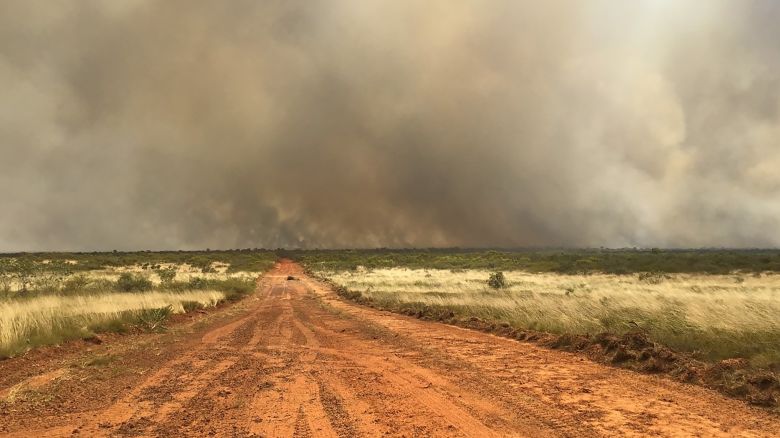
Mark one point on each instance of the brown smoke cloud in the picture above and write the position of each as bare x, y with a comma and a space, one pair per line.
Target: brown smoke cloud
135, 124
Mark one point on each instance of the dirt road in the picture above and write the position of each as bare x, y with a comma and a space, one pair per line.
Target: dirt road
297, 361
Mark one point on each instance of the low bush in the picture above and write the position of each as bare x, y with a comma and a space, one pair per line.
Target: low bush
129, 282
76, 283
191, 306
154, 319
497, 280
167, 275
198, 283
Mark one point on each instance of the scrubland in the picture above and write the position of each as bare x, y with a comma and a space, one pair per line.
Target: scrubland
48, 299
714, 317
561, 261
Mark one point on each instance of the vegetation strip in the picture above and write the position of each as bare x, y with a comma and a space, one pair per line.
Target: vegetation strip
630, 347
51, 298
562, 261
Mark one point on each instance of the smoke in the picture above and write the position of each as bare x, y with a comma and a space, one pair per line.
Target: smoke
135, 124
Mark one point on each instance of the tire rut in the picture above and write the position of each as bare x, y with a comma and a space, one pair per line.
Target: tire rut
300, 362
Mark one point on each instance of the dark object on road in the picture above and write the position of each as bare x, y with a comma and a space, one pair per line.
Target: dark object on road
290, 277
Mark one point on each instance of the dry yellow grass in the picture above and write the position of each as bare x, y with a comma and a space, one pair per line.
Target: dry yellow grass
184, 273
53, 311
52, 318
717, 316
44, 301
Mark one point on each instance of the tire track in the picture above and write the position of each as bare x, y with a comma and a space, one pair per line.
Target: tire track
300, 362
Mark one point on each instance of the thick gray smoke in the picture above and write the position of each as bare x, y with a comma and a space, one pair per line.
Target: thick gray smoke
135, 124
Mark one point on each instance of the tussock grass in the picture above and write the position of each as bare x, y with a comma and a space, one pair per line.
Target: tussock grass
712, 316
134, 278
47, 298
51, 319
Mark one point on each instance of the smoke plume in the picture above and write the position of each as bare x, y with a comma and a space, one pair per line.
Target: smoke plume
135, 124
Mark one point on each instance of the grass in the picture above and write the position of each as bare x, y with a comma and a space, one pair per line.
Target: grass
45, 278
713, 317
249, 260
52, 319
41, 303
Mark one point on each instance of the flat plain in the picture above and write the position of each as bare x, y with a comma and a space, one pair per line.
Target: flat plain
303, 355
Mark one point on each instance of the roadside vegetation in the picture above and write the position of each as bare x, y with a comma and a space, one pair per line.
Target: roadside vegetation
48, 299
52, 319
711, 317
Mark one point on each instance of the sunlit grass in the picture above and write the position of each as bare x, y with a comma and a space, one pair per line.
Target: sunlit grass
50, 319
713, 316
46, 282
47, 299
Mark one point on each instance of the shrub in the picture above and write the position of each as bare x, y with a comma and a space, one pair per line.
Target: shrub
653, 277
167, 275
497, 280
191, 306
6, 278
128, 282
198, 283
153, 319
77, 283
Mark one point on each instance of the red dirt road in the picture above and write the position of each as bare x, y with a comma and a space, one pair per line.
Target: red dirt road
295, 360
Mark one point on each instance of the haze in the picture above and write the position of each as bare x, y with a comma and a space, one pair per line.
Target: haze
320, 123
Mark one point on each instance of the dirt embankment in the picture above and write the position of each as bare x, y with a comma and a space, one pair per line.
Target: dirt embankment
295, 360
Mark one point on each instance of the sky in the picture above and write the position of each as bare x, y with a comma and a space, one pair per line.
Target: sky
186, 124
